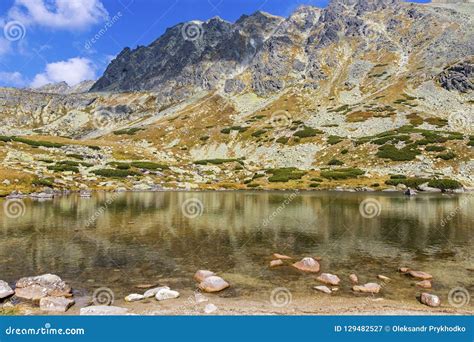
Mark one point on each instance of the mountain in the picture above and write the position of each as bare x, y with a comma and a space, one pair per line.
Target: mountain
382, 86
63, 88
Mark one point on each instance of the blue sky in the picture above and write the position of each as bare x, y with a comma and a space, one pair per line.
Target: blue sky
43, 41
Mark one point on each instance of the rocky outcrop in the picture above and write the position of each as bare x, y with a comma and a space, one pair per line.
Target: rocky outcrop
458, 77
47, 285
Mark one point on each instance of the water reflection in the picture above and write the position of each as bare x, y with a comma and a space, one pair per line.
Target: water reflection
144, 237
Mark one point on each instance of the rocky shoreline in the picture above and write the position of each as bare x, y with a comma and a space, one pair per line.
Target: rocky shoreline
48, 294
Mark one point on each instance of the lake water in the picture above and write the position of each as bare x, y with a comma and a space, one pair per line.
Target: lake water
121, 240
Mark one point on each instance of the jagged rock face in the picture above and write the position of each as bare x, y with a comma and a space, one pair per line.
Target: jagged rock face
63, 88
458, 77
188, 56
267, 54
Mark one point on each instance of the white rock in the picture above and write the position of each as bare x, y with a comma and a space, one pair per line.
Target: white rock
210, 308
103, 310
5, 290
152, 292
165, 294
134, 297
55, 304
323, 288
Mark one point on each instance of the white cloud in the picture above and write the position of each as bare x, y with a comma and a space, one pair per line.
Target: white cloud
4, 46
72, 71
59, 14
13, 79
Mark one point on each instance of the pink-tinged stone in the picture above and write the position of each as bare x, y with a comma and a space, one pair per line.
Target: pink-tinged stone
323, 289
203, 274
329, 279
55, 304
425, 284
420, 275
275, 263
403, 270
354, 279
46, 285
213, 284
307, 265
430, 299
281, 256
367, 288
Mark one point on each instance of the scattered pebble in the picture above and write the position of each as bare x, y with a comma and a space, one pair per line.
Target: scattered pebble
430, 299
210, 308
420, 275
200, 275
152, 292
134, 297
425, 284
323, 288
55, 304
367, 288
354, 279
213, 284
165, 294
328, 278
307, 265
281, 256
275, 263
384, 278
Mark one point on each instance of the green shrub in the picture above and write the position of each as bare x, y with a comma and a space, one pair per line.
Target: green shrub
284, 175
336, 162
283, 140
259, 133
319, 180
63, 167
129, 131
409, 182
112, 173
43, 182
204, 138
342, 173
398, 177
225, 131
314, 185
47, 161
252, 185
446, 156
470, 143
334, 139
345, 151
75, 156
308, 132
95, 148
435, 148
217, 161
35, 143
391, 152
445, 184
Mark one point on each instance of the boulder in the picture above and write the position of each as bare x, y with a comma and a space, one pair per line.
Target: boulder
307, 265
354, 279
152, 292
367, 288
213, 284
200, 275
134, 297
430, 299
165, 294
46, 285
420, 275
281, 256
329, 279
425, 284
103, 310
5, 290
55, 304
323, 288
275, 263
